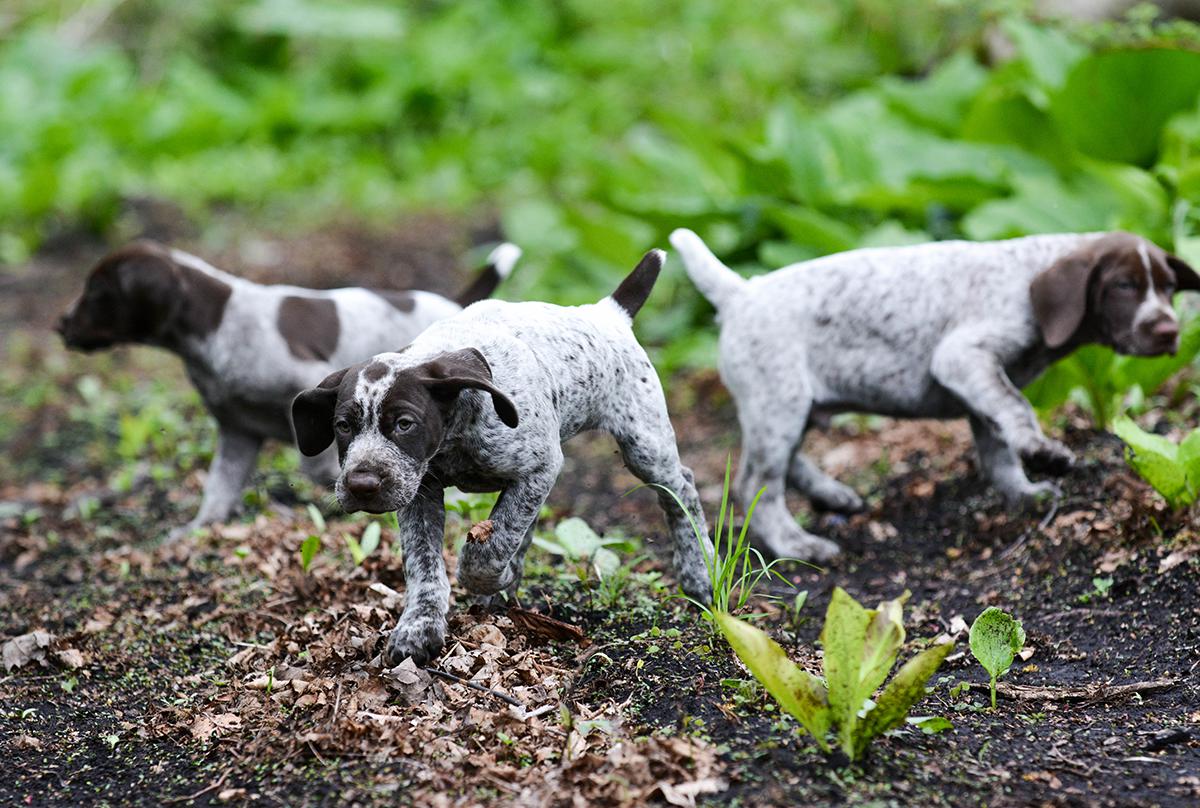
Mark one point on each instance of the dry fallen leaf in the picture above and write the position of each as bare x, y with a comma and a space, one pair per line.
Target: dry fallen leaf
480, 532
20, 651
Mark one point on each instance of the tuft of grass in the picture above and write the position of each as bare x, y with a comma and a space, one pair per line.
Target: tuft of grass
735, 567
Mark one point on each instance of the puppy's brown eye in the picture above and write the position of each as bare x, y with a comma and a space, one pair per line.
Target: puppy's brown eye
342, 426
402, 425
1126, 286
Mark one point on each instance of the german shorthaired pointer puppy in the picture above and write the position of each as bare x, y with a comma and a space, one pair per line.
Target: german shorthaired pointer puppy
249, 348
483, 401
940, 330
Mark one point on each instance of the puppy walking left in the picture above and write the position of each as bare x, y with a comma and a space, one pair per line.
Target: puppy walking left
247, 347
483, 401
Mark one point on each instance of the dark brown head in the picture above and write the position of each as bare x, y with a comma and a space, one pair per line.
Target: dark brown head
388, 418
140, 293
1116, 291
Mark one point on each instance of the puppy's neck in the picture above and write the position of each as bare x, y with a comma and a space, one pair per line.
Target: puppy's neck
204, 297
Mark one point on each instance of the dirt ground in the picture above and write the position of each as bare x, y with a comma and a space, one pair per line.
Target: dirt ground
219, 670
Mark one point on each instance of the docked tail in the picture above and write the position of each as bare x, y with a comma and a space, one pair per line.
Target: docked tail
499, 264
634, 290
715, 281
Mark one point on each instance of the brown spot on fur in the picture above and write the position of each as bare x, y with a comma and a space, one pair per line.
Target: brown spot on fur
310, 326
206, 299
401, 300
480, 532
375, 371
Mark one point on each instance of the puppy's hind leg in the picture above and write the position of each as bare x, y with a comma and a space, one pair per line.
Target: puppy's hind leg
647, 443
772, 428
824, 491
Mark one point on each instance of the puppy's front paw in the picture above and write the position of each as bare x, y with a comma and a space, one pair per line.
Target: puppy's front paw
480, 572
1048, 456
419, 636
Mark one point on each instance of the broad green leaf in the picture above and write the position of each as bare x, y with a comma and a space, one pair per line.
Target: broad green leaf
906, 689
577, 538
1189, 458
798, 692
1156, 459
1114, 105
1048, 52
884, 637
843, 637
941, 100
308, 551
605, 561
996, 638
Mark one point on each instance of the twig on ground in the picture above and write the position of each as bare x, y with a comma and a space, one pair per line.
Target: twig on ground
1091, 693
475, 686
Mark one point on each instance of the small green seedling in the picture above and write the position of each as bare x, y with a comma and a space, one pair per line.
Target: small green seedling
1100, 587
996, 638
1173, 470
308, 551
312, 545
861, 646
360, 551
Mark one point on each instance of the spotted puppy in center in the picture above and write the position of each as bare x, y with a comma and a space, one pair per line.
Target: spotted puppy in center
483, 401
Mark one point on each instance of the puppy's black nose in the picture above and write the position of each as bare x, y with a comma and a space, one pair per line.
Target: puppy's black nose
363, 484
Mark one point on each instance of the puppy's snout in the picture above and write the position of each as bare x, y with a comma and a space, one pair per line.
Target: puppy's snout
363, 484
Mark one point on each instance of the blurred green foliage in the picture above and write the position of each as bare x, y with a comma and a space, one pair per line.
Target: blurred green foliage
779, 131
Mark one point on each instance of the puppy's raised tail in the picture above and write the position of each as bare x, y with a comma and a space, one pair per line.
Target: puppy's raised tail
500, 263
634, 290
715, 281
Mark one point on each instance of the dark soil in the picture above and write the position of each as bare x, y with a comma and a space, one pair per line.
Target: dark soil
161, 632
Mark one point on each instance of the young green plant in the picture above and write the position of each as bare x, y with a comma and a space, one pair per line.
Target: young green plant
861, 646
996, 638
1172, 469
360, 550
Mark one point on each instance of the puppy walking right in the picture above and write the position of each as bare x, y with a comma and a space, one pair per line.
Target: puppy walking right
943, 330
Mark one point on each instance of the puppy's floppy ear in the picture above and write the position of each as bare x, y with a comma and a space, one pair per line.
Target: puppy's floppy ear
312, 414
451, 372
1186, 278
151, 287
1060, 295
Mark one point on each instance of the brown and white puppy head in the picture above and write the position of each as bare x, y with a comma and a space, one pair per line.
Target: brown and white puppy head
388, 418
130, 296
1116, 291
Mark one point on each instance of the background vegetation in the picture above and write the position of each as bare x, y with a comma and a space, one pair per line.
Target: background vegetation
590, 130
